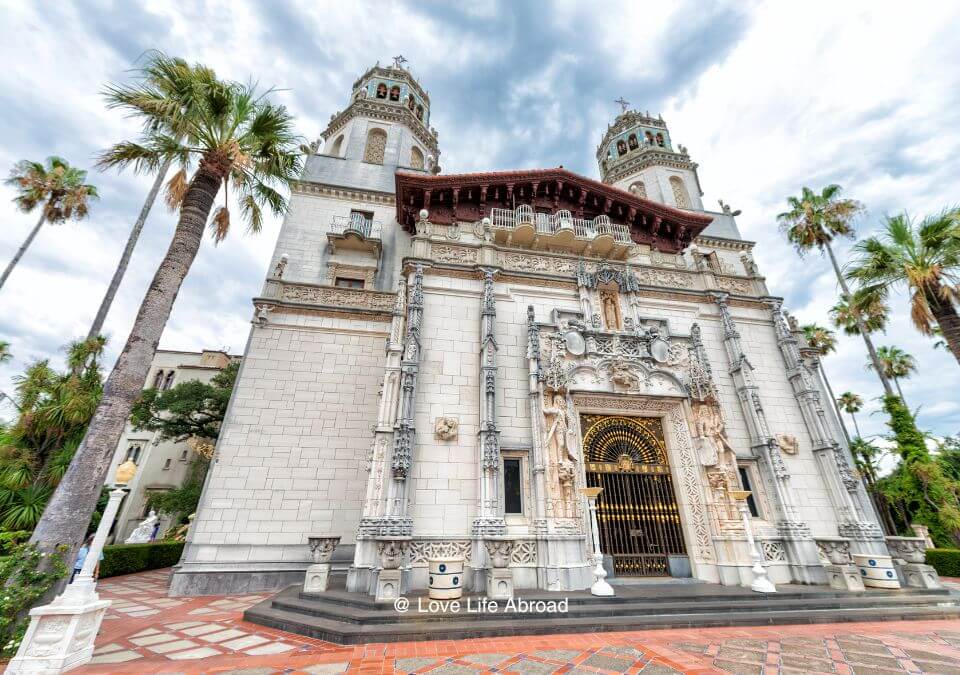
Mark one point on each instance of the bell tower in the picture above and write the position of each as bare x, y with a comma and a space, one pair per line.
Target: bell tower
387, 122
638, 155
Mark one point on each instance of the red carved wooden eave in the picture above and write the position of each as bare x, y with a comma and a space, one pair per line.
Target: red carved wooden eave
468, 197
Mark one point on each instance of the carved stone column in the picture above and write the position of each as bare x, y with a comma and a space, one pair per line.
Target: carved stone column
801, 549
490, 519
842, 483
537, 460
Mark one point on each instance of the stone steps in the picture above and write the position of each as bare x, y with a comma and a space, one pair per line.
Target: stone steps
355, 619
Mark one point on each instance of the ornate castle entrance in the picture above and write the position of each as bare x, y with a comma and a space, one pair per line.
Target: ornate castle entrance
637, 511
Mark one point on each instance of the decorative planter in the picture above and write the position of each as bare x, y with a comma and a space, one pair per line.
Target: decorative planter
446, 578
876, 570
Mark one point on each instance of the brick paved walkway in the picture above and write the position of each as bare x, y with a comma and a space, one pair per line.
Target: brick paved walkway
147, 632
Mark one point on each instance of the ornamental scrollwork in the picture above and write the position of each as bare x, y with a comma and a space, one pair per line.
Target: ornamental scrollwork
462, 255
338, 297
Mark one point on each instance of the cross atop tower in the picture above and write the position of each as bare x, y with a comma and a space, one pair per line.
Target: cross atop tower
398, 61
623, 104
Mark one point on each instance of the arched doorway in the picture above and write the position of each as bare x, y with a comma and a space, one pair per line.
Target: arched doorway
637, 512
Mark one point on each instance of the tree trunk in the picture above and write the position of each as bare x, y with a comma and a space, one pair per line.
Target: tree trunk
68, 512
23, 248
121, 270
855, 425
948, 320
896, 382
860, 324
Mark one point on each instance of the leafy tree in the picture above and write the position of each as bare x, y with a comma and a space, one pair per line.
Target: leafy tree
5, 354
56, 188
237, 138
851, 404
813, 222
896, 364
920, 489
54, 409
191, 409
924, 257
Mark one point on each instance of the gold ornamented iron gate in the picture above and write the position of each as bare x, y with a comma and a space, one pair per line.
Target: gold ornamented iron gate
637, 511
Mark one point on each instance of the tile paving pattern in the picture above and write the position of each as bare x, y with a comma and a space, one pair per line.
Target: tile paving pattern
146, 632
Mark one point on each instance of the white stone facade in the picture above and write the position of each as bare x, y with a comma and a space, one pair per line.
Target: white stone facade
333, 428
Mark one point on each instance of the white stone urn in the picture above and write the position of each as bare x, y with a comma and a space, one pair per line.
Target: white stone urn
391, 552
321, 547
500, 552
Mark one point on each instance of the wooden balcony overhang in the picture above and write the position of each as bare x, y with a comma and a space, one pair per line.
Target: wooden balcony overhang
469, 197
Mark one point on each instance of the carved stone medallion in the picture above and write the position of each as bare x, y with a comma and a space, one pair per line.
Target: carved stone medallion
446, 428
789, 444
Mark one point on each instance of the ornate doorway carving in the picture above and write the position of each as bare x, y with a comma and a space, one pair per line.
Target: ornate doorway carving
638, 515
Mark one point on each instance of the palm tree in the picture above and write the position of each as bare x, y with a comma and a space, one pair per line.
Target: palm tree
167, 76
57, 188
813, 222
236, 136
851, 404
925, 257
868, 310
823, 341
896, 363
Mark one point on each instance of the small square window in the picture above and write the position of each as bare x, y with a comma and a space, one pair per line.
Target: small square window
183, 456
166, 464
512, 486
346, 282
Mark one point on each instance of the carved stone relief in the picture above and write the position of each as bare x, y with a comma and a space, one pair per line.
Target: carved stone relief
337, 297
446, 428
788, 444
462, 255
422, 551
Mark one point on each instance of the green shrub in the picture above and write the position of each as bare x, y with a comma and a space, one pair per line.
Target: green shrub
945, 560
24, 578
130, 558
10, 540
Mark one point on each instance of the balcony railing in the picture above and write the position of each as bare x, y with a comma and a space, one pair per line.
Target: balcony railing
356, 224
554, 223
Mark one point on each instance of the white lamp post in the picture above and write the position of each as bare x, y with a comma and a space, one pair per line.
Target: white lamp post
61, 635
761, 583
600, 585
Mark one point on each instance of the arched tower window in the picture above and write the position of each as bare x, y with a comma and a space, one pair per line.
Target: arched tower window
158, 380
376, 145
411, 103
395, 92
660, 140
420, 112
416, 158
621, 148
639, 189
381, 90
680, 195
647, 135
337, 146
632, 142
168, 380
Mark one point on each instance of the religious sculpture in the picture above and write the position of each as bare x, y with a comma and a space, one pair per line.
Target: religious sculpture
611, 313
566, 475
559, 430
710, 432
144, 532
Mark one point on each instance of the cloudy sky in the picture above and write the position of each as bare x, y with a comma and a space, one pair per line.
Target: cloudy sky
767, 97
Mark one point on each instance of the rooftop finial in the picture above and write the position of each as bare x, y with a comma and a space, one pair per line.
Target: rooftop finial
622, 103
398, 61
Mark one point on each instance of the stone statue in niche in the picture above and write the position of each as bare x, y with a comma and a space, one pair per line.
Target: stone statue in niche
710, 433
566, 476
611, 310
558, 432
624, 376
446, 428
789, 444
